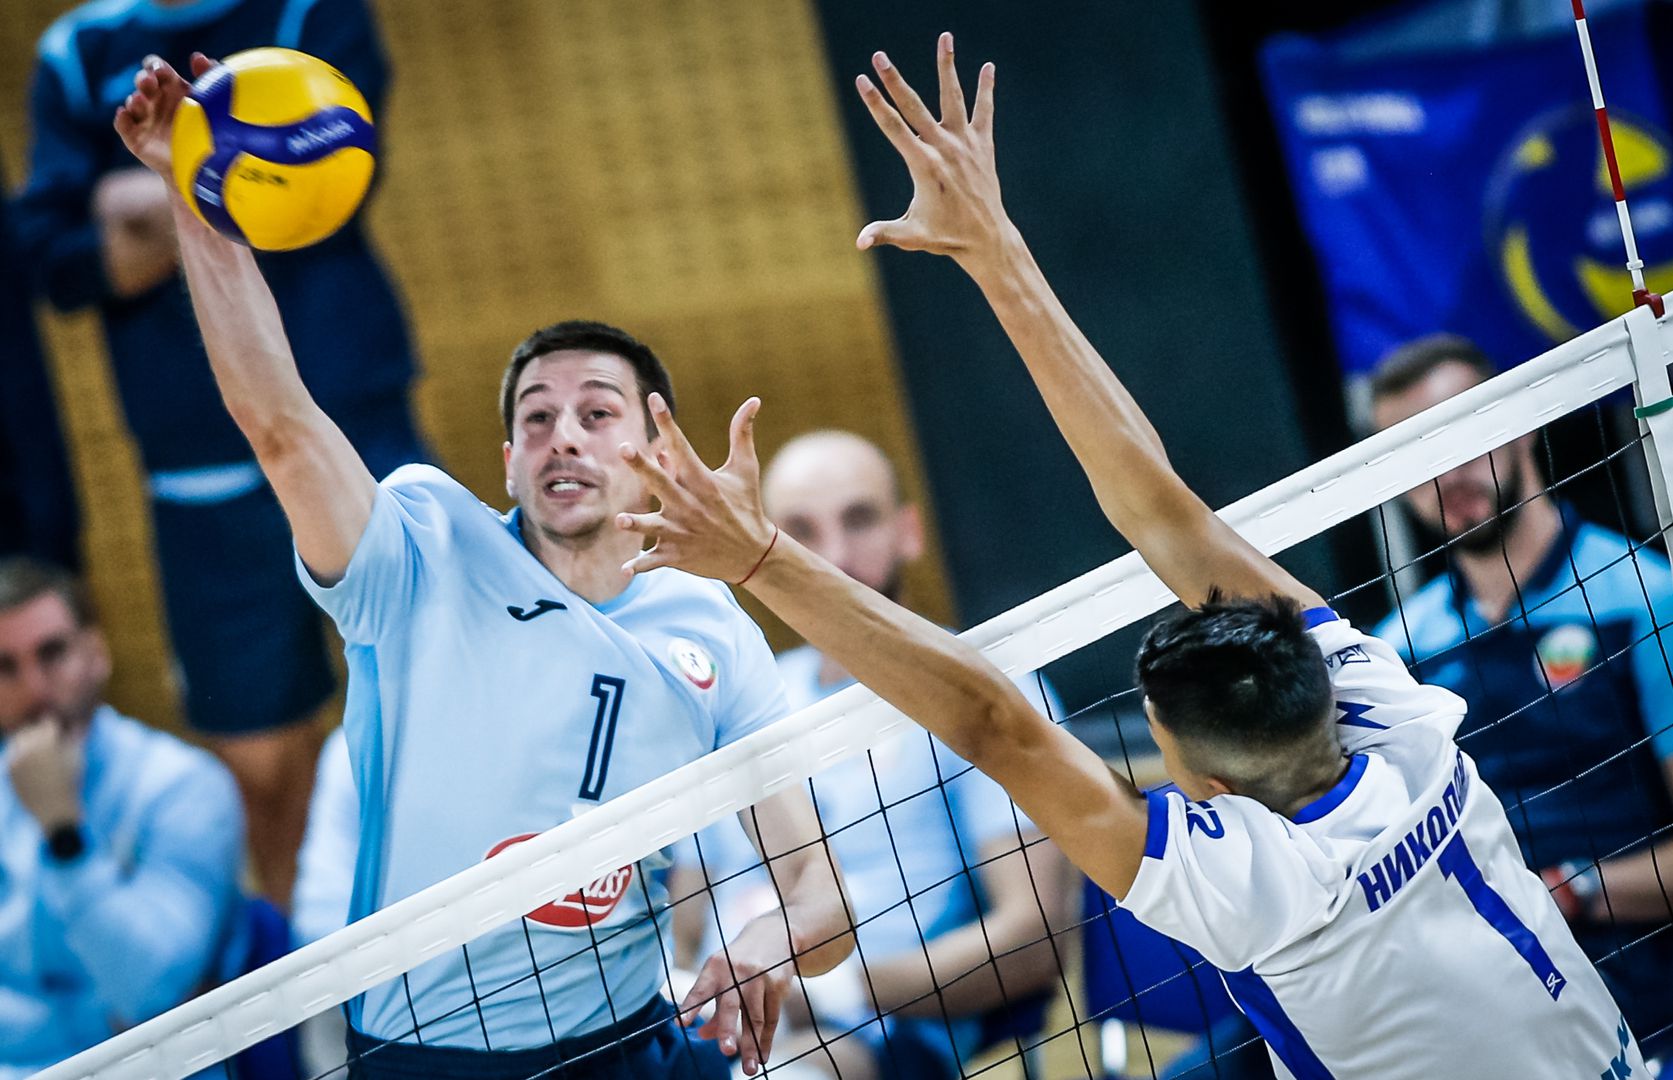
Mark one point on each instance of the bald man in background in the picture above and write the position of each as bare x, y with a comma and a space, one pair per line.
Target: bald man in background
982, 882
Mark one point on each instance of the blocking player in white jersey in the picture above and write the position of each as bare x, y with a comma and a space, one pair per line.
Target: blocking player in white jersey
505, 673
1330, 848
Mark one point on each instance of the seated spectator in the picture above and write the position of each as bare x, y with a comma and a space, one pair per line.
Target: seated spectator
940, 885
120, 846
1547, 626
325, 865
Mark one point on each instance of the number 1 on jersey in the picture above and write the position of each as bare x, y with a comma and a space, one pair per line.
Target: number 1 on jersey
608, 690
1455, 862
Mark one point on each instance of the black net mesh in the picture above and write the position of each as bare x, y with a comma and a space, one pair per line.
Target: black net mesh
980, 951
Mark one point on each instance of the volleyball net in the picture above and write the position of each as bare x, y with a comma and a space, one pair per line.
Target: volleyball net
529, 911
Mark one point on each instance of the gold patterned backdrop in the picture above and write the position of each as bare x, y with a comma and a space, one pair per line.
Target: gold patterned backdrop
675, 166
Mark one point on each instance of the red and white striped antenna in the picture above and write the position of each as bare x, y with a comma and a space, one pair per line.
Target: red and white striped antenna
1641, 294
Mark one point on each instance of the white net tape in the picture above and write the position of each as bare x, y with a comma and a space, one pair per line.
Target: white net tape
1627, 351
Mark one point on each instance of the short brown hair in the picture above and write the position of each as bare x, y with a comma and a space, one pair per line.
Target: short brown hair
1406, 366
585, 334
23, 579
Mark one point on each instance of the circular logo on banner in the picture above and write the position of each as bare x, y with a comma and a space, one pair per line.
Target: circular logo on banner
694, 662
1551, 223
587, 906
1566, 653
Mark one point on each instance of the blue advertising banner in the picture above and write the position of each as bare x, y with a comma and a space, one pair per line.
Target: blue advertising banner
1461, 187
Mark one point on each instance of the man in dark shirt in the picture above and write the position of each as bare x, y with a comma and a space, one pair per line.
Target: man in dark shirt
1551, 628
95, 229
37, 496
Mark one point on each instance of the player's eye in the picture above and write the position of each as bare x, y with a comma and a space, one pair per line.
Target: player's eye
54, 651
800, 530
539, 416
861, 517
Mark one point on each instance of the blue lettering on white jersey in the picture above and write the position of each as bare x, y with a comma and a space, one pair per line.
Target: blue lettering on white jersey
1387, 906
488, 703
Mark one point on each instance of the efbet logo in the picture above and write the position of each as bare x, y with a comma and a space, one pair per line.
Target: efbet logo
587, 906
1551, 224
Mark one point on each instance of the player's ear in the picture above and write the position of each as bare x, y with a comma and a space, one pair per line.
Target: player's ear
911, 531
1213, 785
510, 484
99, 653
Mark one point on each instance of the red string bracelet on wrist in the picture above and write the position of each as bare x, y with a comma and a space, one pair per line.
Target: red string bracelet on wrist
763, 557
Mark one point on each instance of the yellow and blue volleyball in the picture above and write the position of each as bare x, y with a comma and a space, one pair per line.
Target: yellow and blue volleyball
274, 148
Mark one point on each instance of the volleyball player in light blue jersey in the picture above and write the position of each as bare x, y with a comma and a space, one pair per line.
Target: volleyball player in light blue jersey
505, 673
1329, 848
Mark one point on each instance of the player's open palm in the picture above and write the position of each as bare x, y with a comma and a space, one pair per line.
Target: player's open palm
710, 521
145, 120
956, 208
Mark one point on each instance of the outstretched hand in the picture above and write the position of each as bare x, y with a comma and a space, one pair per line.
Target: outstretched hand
146, 119
955, 208
710, 521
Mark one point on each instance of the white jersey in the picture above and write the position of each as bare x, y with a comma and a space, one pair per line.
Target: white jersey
1388, 929
488, 703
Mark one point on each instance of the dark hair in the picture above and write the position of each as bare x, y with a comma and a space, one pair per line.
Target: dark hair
23, 579
1406, 366
593, 337
1239, 674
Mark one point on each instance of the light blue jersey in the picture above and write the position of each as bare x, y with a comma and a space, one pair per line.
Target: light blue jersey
941, 813
488, 703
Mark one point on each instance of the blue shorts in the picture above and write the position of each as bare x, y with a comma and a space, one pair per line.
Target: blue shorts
252, 649
648, 1045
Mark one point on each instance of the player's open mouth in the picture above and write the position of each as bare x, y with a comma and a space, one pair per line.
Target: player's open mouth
561, 486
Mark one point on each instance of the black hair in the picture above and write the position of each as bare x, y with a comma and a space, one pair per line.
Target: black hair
1409, 364
24, 579
1236, 674
591, 336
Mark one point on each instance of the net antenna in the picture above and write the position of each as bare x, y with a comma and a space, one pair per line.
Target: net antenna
1651, 390
1641, 294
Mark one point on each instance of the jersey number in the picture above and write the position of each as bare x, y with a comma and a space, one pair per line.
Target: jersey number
1455, 862
608, 690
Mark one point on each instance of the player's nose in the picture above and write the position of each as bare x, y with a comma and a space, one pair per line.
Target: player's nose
567, 435
33, 691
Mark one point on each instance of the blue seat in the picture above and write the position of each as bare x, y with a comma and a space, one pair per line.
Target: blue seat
266, 938
1016, 1021
1134, 974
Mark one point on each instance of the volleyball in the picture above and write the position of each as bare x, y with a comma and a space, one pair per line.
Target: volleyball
274, 148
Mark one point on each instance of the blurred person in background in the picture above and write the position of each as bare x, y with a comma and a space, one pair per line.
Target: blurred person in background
95, 228
1547, 626
120, 846
325, 865
37, 495
956, 848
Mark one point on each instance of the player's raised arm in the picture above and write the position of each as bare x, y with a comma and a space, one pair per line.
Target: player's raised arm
321, 482
956, 210
711, 523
